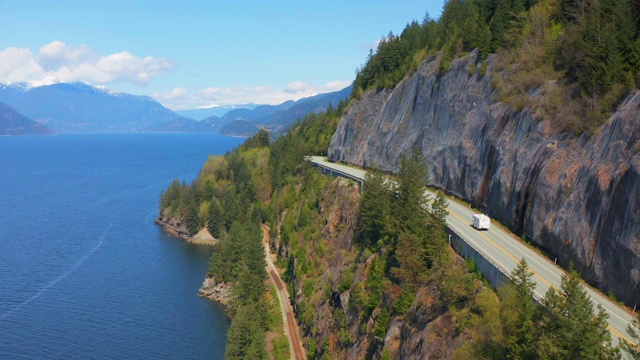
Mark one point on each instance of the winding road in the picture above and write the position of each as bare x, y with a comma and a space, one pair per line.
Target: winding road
504, 250
291, 328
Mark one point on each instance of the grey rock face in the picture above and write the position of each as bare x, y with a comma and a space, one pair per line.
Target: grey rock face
575, 196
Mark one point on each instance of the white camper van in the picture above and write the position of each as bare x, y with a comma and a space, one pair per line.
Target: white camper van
481, 222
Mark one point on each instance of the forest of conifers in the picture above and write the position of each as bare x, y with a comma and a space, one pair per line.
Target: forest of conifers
584, 50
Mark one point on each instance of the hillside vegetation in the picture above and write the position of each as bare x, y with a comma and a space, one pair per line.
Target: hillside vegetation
370, 273
569, 60
364, 268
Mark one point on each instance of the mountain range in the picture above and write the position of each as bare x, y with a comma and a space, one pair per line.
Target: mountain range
247, 121
82, 108
203, 113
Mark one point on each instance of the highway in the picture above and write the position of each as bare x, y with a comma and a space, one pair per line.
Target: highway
505, 250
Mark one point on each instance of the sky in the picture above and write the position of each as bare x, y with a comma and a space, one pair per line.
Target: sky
196, 54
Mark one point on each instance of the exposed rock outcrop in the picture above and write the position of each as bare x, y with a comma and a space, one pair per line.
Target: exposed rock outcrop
574, 195
212, 290
177, 228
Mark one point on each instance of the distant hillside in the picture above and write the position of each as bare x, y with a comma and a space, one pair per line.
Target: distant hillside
256, 114
281, 120
218, 111
181, 125
239, 128
14, 123
247, 121
80, 108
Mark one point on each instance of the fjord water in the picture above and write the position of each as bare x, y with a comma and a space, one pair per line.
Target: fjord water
84, 271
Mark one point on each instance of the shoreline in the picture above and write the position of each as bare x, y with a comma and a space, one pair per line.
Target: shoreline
179, 230
210, 288
213, 290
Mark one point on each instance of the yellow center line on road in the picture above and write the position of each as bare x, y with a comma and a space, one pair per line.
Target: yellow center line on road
616, 332
505, 252
536, 275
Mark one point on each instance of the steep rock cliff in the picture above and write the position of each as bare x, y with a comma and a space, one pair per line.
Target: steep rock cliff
575, 196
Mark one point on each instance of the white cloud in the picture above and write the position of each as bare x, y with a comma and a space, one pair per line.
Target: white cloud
297, 87
180, 99
372, 45
58, 54
18, 65
59, 62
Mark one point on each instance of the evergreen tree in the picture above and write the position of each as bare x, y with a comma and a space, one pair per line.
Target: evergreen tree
410, 203
570, 328
245, 338
633, 349
439, 208
170, 199
215, 221
410, 255
375, 284
500, 23
231, 207
190, 210
518, 314
375, 207
380, 329
260, 139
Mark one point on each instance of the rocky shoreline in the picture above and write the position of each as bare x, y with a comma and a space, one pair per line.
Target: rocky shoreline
210, 289
213, 290
178, 229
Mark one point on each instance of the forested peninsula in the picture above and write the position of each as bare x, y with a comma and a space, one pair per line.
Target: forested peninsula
369, 271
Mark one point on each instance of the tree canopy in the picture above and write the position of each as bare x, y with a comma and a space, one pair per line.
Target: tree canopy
589, 48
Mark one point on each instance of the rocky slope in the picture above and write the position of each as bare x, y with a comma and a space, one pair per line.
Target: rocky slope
328, 315
574, 195
177, 228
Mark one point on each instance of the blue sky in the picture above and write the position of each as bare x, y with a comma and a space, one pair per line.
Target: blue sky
190, 54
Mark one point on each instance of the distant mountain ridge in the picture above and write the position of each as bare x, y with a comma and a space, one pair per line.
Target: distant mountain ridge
280, 120
181, 125
218, 111
239, 128
14, 123
275, 118
81, 108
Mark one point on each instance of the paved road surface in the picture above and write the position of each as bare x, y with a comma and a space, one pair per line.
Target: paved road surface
505, 250
291, 329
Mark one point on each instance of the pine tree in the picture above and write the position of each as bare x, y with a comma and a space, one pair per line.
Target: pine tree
633, 349
382, 321
439, 208
190, 209
375, 207
410, 255
410, 203
245, 338
170, 199
214, 223
374, 285
231, 207
518, 313
570, 328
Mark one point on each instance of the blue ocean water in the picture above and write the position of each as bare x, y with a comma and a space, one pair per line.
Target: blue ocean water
84, 271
